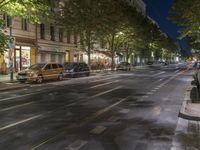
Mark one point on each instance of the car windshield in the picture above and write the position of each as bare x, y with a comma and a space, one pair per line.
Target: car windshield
36, 66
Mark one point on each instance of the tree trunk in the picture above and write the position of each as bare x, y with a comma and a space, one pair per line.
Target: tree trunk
112, 52
88, 34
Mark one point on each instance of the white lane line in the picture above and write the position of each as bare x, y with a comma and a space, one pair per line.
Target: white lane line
105, 92
98, 130
17, 96
154, 90
149, 93
165, 99
17, 106
158, 74
98, 113
102, 79
145, 96
177, 71
99, 85
87, 120
76, 145
124, 111
20, 122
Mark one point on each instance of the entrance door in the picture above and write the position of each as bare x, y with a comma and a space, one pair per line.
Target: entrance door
17, 60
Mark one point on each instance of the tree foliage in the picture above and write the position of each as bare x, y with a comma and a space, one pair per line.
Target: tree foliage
32, 10
186, 14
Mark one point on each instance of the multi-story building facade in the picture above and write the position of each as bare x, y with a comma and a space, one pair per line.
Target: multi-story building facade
35, 43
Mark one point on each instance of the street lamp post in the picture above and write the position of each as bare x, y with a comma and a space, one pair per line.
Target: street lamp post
11, 52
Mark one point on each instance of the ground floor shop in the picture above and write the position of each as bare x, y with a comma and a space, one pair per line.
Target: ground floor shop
18, 58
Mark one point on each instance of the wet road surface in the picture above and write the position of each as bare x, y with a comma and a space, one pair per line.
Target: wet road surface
135, 110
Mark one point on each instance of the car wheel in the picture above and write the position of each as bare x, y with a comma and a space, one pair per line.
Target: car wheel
60, 77
39, 79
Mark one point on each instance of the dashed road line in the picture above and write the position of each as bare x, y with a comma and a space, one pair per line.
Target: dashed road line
17, 106
99, 85
124, 111
105, 92
98, 130
76, 145
149, 93
20, 122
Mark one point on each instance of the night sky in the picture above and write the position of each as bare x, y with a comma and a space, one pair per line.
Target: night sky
159, 10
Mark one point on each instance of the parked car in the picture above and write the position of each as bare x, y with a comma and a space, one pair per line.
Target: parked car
40, 72
75, 69
123, 66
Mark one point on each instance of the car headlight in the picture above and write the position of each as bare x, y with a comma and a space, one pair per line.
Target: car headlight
32, 74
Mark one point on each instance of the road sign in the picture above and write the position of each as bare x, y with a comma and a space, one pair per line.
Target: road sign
11, 42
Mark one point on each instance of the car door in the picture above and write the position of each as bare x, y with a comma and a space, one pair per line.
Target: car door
55, 71
47, 72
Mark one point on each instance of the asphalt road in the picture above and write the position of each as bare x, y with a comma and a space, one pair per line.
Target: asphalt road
136, 110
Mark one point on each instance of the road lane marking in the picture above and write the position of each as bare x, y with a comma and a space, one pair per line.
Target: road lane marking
99, 85
105, 92
124, 111
17, 106
165, 99
17, 96
158, 74
177, 71
98, 130
76, 145
100, 112
102, 79
20, 122
87, 120
150, 93
145, 96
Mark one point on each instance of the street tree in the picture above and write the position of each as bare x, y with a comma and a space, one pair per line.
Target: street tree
83, 18
186, 15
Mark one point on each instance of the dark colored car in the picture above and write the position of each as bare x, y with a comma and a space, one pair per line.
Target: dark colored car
75, 69
123, 66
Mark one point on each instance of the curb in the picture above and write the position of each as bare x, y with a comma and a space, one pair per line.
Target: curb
182, 113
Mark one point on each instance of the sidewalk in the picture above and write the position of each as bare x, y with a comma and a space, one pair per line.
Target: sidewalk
189, 110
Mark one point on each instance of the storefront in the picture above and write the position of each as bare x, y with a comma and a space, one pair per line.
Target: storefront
23, 57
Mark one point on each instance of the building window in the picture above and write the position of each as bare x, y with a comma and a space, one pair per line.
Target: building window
24, 24
53, 57
52, 33
75, 38
43, 57
68, 37
60, 58
61, 35
8, 20
42, 31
